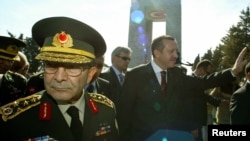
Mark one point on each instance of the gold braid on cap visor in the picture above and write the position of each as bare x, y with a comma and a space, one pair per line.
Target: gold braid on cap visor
10, 53
62, 50
66, 55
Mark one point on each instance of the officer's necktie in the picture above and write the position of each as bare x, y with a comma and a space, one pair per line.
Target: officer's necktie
121, 78
75, 125
163, 82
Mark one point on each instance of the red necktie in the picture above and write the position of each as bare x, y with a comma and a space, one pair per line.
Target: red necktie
163, 81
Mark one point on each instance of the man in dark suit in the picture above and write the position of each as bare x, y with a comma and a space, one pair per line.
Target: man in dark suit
120, 59
240, 102
64, 111
144, 108
196, 106
98, 84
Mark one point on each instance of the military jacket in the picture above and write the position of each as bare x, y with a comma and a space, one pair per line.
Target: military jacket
12, 86
38, 117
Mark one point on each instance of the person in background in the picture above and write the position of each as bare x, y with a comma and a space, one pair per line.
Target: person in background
120, 59
202, 103
22, 66
98, 84
63, 111
224, 92
35, 83
12, 85
152, 96
240, 102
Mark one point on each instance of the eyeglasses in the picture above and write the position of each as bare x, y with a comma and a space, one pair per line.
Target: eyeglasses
124, 58
71, 69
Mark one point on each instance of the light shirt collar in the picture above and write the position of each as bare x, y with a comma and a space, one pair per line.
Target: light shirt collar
157, 71
156, 68
80, 104
117, 72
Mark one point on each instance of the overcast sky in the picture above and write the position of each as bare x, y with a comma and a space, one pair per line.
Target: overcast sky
204, 22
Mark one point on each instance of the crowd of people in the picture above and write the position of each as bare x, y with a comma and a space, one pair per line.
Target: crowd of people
72, 99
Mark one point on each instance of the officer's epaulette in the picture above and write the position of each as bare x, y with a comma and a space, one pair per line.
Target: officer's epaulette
101, 99
13, 109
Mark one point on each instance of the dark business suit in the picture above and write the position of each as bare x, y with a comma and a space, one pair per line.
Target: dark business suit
143, 110
110, 75
240, 105
27, 125
195, 108
103, 87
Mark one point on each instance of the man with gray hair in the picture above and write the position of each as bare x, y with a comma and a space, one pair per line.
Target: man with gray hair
120, 59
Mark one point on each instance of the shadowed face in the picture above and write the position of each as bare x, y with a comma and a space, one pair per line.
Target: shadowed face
5, 65
121, 61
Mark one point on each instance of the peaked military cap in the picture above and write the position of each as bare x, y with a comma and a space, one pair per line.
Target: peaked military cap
9, 48
67, 40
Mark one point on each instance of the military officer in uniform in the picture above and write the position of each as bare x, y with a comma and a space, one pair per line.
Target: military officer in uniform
63, 111
12, 85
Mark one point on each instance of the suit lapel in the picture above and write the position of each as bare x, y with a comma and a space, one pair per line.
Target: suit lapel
98, 87
114, 77
150, 74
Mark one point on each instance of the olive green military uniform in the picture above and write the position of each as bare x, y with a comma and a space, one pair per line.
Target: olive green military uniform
21, 120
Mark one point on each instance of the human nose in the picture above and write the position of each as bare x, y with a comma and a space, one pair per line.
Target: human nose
61, 74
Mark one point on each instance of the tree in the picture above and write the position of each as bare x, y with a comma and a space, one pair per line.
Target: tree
236, 39
31, 50
217, 58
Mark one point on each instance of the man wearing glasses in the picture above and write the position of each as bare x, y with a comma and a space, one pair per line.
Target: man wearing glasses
63, 111
120, 59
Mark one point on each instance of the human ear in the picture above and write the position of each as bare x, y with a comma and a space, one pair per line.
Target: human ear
91, 73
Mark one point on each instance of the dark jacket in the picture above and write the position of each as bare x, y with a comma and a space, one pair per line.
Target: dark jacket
26, 124
240, 105
103, 86
196, 107
12, 87
110, 75
143, 110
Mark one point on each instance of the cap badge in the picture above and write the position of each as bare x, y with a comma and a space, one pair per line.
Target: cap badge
62, 40
12, 48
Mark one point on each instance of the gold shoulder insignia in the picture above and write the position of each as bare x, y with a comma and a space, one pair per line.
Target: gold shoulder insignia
18, 106
102, 99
